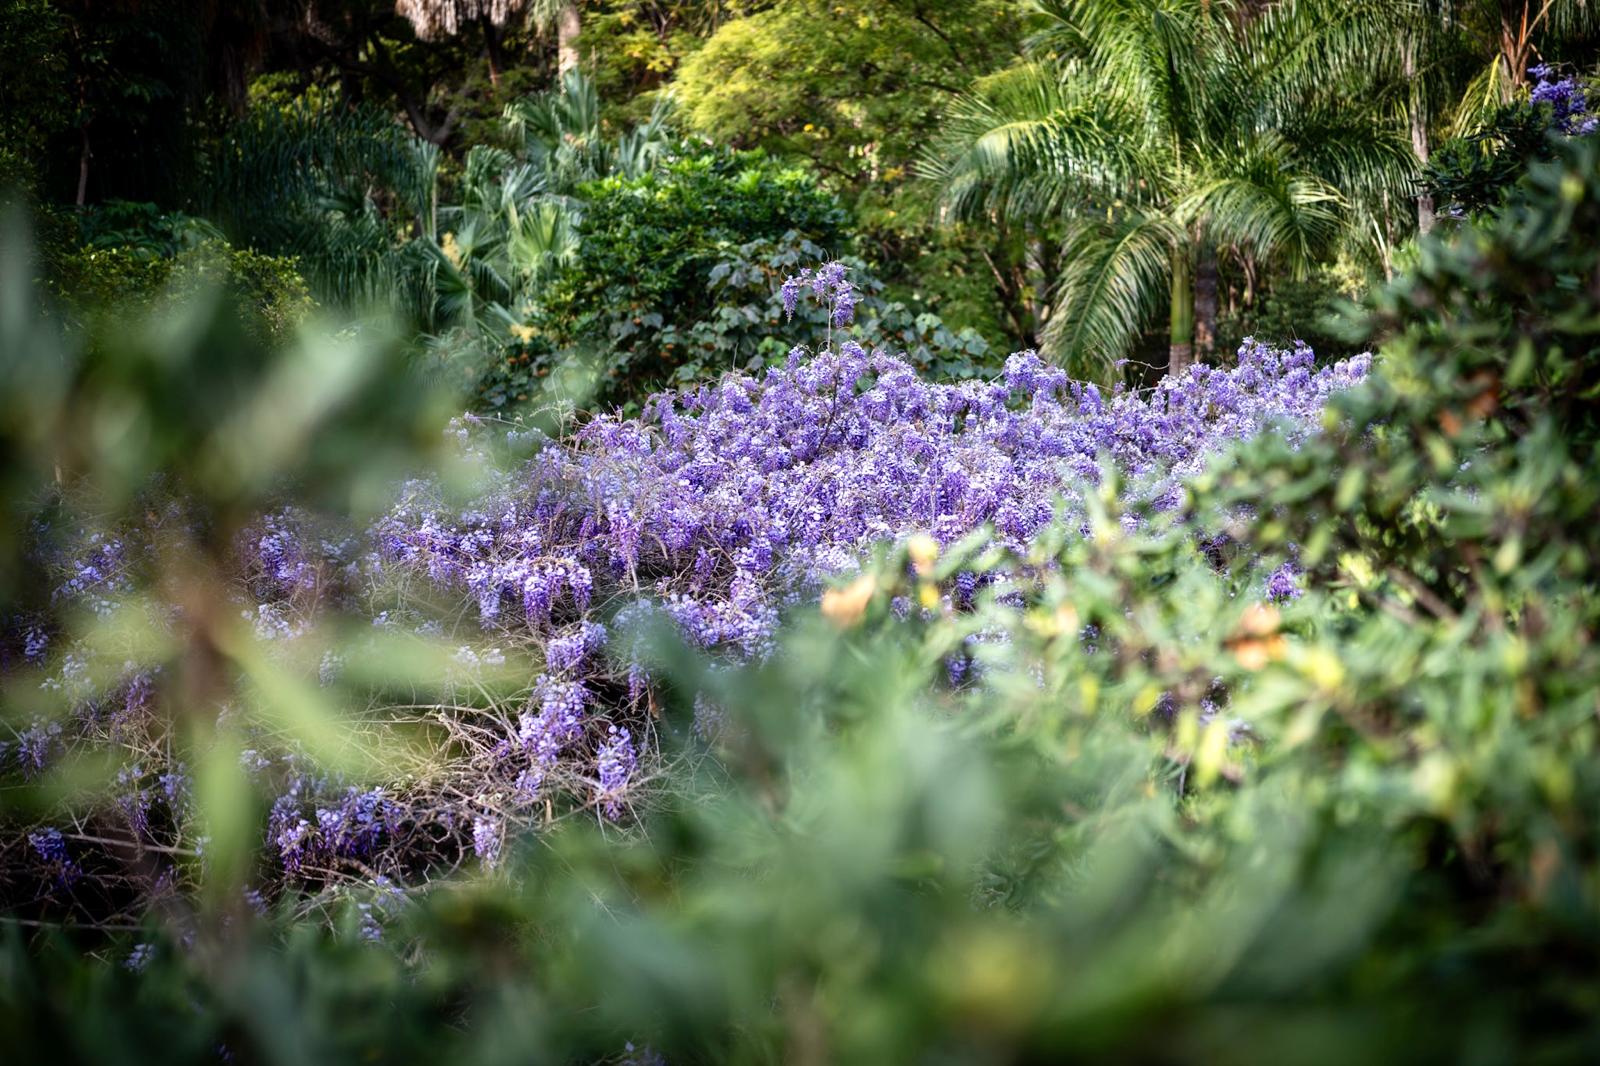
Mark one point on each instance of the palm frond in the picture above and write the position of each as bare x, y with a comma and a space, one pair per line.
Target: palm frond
1115, 279
1031, 141
1484, 94
1293, 218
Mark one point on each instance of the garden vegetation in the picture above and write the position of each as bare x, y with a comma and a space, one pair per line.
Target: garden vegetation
613, 532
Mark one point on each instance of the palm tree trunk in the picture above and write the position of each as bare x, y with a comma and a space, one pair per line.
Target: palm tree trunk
1417, 116
1205, 304
1517, 26
491, 48
1180, 349
568, 25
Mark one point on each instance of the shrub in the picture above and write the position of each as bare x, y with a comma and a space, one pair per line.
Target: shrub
746, 329
133, 258
650, 244
1473, 173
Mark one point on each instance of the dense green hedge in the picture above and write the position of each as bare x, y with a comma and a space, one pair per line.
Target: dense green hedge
132, 258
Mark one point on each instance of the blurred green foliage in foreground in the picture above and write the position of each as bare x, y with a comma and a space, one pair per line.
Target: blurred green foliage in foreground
1381, 846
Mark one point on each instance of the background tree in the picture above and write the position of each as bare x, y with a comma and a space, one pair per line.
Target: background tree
1165, 132
856, 88
1455, 62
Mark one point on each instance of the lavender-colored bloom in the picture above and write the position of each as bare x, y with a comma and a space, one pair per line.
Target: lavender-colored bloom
615, 763
567, 652
1283, 584
139, 958
790, 294
371, 930
96, 575
352, 828
49, 845
487, 834
724, 504
1567, 98
642, 1056
36, 744
133, 800
330, 668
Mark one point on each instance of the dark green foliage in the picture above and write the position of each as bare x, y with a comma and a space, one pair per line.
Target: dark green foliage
1455, 511
340, 189
1473, 173
649, 248
1288, 310
744, 327
35, 101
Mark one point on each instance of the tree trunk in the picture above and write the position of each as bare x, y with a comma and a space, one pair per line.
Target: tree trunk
491, 48
1036, 284
1417, 116
1517, 26
568, 25
1205, 304
1180, 350
83, 165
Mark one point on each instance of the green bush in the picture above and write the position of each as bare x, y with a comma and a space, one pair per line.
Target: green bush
649, 245
1472, 173
134, 257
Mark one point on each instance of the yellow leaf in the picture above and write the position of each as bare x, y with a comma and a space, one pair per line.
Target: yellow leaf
844, 607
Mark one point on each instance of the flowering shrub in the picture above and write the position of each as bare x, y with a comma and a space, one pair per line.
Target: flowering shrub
1473, 173
719, 508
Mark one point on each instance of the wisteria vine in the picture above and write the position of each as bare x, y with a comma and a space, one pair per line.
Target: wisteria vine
720, 507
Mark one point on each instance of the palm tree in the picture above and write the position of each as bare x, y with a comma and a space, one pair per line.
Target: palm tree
1158, 132
515, 219
1456, 60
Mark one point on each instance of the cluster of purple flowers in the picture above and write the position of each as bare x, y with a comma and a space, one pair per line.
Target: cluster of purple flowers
487, 836
98, 576
1568, 100
279, 567
723, 504
51, 847
829, 286
35, 745
347, 826
1283, 584
716, 509
726, 502
616, 762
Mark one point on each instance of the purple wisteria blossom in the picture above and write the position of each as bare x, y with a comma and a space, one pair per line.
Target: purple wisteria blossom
51, 847
724, 503
1283, 584
487, 835
615, 762
715, 510
829, 286
1568, 100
